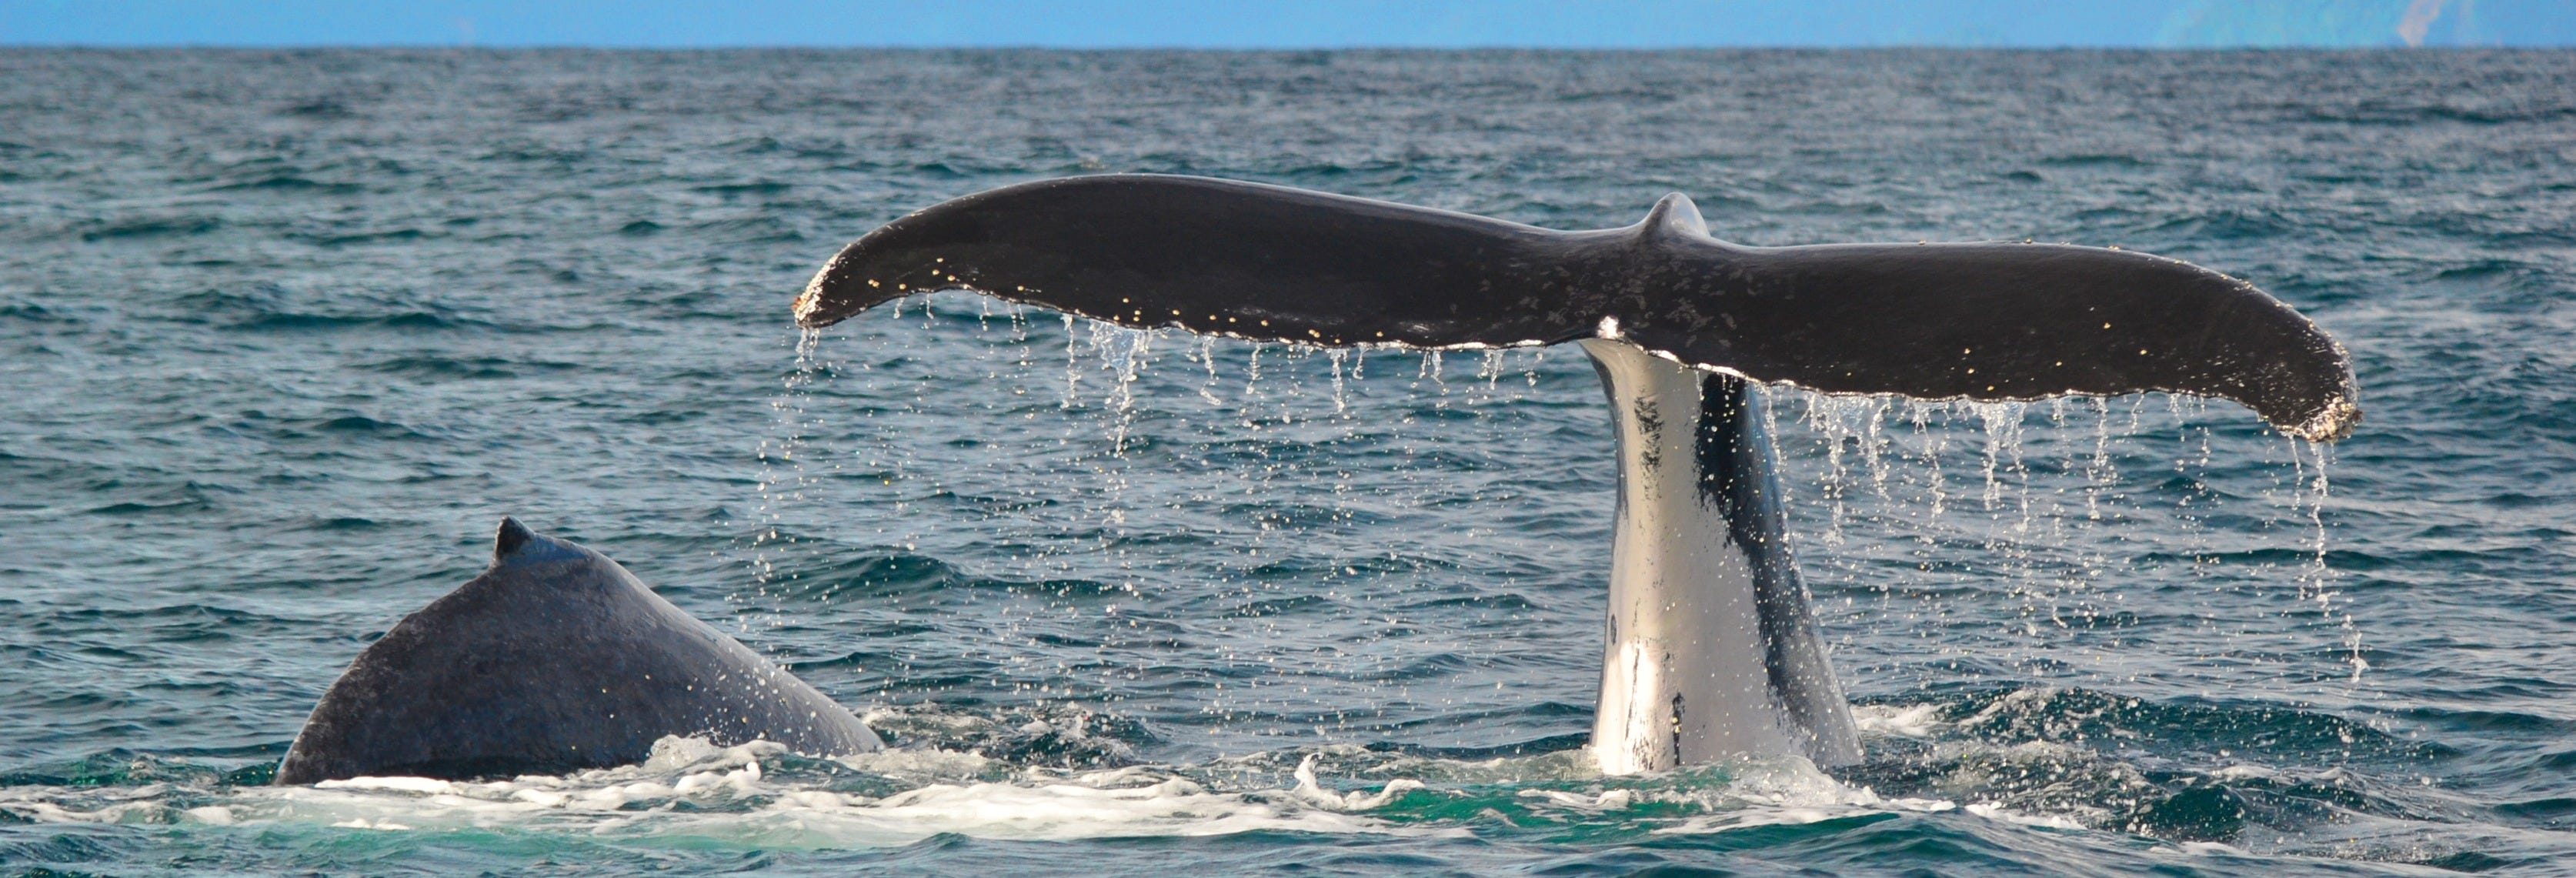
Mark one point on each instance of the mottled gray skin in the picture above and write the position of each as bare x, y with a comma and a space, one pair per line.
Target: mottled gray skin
554, 659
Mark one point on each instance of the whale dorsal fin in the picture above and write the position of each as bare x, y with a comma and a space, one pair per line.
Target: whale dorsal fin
1675, 213
512, 537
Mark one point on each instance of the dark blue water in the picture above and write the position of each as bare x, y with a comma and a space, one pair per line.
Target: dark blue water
282, 335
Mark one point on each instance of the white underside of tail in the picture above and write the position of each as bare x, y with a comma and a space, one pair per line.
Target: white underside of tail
1686, 678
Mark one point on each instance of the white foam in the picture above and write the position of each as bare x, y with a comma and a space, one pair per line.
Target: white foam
691, 792
2243, 772
1791, 791
1607, 800
401, 784
1066, 811
212, 815
923, 765
1992, 811
1312, 792
1914, 721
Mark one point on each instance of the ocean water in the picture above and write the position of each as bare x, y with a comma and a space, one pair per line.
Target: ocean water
283, 335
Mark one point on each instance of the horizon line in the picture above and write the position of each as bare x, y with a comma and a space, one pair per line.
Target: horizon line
1219, 47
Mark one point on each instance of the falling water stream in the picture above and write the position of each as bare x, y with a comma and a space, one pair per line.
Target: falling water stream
2042, 509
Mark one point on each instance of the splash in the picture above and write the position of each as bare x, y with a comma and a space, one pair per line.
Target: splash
2065, 532
1124, 353
2419, 19
782, 483
1341, 395
690, 793
1847, 425
2003, 461
2309, 494
1248, 497
752, 796
1072, 363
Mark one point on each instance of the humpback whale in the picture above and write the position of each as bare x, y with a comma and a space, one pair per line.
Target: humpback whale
555, 658
1712, 643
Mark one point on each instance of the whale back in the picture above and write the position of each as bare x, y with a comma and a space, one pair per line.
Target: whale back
554, 659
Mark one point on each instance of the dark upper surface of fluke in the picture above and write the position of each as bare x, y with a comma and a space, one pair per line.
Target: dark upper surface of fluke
1982, 321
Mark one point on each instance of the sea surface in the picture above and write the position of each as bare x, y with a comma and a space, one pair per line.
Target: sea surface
284, 334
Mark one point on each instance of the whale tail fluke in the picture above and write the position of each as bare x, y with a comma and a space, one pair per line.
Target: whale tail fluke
1713, 645
1982, 321
2006, 321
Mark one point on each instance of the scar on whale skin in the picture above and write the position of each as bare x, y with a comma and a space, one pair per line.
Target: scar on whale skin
1713, 643
554, 659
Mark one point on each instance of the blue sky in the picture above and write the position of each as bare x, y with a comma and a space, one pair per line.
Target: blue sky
1290, 23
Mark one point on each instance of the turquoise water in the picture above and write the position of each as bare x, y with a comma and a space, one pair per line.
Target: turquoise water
282, 336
